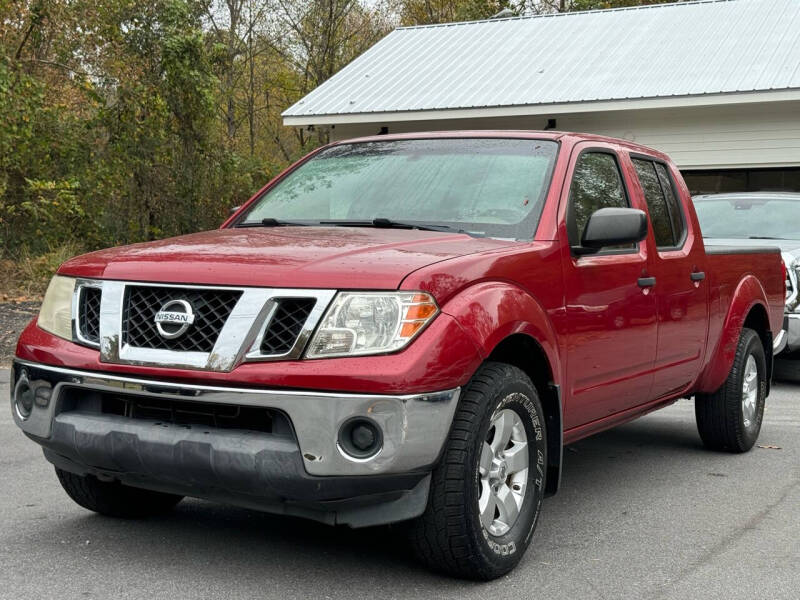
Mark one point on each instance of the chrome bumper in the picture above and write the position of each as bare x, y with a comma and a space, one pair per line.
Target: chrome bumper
779, 343
414, 427
791, 326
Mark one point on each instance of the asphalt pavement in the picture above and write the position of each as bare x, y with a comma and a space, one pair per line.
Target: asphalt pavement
644, 512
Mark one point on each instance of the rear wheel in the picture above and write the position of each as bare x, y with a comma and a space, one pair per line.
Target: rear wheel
114, 499
730, 418
487, 491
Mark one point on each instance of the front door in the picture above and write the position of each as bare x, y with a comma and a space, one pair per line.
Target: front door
610, 307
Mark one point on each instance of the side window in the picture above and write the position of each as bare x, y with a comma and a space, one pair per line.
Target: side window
596, 184
656, 203
673, 203
663, 205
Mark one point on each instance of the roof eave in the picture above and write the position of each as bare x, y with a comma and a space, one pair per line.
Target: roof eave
728, 98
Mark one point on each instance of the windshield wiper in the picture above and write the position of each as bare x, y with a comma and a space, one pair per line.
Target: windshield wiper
382, 222
763, 237
270, 222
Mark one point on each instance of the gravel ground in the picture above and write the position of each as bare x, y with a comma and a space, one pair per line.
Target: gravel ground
644, 512
14, 316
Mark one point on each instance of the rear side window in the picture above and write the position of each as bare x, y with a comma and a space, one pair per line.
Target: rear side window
674, 205
662, 204
596, 184
656, 203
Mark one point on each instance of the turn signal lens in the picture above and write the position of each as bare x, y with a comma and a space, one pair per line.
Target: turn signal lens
417, 314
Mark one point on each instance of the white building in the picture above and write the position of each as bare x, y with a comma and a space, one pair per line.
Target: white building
715, 83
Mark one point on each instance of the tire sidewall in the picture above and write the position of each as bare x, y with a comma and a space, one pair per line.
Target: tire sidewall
505, 551
755, 349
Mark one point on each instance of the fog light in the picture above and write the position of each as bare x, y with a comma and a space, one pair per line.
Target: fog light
23, 397
360, 438
42, 394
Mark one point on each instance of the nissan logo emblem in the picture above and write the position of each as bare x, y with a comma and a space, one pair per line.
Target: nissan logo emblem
174, 319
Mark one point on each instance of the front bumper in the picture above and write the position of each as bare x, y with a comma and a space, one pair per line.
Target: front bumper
302, 470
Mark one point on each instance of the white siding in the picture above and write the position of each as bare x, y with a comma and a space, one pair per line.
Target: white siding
749, 135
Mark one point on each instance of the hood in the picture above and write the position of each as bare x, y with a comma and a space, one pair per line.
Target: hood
789, 247
302, 257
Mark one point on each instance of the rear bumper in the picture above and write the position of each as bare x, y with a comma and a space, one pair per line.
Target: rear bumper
299, 470
791, 325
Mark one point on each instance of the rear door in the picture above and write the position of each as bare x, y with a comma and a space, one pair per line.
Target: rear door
678, 265
610, 310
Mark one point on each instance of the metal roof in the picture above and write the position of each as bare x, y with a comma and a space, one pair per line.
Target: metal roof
686, 49
766, 195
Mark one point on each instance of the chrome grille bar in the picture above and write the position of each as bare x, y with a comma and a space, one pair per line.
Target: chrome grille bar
239, 339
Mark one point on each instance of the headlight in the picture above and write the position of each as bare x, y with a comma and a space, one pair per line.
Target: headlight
55, 315
358, 323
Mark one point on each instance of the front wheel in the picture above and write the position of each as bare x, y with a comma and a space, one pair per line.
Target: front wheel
487, 491
730, 418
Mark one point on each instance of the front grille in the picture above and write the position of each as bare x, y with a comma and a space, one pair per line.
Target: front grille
89, 314
211, 310
287, 322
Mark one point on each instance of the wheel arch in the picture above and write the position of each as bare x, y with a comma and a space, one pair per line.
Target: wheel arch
524, 352
757, 319
747, 308
507, 324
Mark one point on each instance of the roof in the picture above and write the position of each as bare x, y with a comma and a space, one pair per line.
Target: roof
681, 50
530, 134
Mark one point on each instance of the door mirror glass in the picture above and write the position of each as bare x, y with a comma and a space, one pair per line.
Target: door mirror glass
613, 227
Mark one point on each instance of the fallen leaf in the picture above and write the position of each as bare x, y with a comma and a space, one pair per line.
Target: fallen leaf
769, 447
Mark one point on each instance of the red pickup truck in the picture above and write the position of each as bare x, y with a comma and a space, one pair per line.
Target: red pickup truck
401, 328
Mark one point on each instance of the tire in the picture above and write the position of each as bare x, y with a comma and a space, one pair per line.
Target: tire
114, 499
730, 418
450, 536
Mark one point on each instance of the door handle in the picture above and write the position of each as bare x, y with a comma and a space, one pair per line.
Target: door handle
698, 276
646, 282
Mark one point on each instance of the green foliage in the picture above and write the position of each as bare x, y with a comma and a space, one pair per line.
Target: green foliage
122, 145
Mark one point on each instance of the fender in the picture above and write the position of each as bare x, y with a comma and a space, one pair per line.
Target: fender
748, 294
491, 311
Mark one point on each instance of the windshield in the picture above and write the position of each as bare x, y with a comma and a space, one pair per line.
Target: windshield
749, 217
492, 187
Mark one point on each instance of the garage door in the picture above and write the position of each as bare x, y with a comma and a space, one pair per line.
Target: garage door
742, 180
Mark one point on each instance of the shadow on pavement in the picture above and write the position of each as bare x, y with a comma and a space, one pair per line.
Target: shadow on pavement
223, 540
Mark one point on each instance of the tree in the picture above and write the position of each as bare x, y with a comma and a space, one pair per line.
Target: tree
322, 36
424, 12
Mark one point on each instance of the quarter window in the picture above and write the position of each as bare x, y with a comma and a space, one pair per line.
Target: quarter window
674, 205
656, 203
596, 184
662, 203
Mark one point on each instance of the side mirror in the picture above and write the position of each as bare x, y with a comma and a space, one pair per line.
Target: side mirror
613, 227
233, 210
